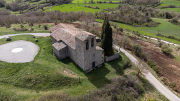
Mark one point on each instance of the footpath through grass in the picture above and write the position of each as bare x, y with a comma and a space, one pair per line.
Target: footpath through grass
46, 75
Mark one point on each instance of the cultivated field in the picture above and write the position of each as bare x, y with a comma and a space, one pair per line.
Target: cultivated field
80, 7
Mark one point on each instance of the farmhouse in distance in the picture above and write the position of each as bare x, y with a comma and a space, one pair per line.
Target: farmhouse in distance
78, 45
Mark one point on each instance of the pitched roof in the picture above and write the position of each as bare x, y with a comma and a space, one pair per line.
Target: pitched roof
59, 46
67, 33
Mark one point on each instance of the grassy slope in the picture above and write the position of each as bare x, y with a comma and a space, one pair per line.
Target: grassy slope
47, 72
82, 1
4, 30
176, 10
164, 28
167, 2
75, 7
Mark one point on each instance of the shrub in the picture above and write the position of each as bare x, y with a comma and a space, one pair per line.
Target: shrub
126, 88
8, 25
45, 27
21, 26
172, 85
160, 44
151, 63
2, 3
32, 29
8, 6
126, 42
127, 64
138, 51
178, 48
30, 24
156, 69
165, 49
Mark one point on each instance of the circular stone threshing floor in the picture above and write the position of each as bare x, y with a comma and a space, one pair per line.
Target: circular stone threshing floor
18, 51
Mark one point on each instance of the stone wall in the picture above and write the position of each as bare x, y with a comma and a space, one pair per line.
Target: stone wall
63, 53
113, 57
98, 58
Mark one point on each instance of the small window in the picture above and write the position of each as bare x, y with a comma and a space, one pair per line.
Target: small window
87, 45
92, 42
93, 55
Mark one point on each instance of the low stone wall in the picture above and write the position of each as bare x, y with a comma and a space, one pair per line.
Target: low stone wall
113, 57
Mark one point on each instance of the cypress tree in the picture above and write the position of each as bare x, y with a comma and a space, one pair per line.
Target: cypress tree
106, 37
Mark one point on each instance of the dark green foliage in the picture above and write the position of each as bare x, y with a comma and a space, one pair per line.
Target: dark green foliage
168, 15
127, 64
106, 37
45, 27
138, 51
165, 49
30, 24
8, 25
126, 88
153, 65
165, 81
8, 6
2, 3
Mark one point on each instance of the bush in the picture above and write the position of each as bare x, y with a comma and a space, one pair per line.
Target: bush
127, 64
8, 25
156, 69
8, 6
22, 26
45, 27
151, 63
160, 44
138, 51
172, 85
39, 26
2, 3
126, 88
126, 42
30, 24
178, 48
32, 29
165, 49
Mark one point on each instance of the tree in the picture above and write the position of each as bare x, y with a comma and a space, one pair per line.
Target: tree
92, 1
106, 37
165, 49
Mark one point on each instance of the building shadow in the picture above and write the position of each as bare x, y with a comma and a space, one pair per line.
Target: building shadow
96, 76
115, 64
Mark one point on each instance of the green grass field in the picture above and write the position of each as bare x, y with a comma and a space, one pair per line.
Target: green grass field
45, 75
80, 7
4, 30
87, 1
167, 2
165, 28
176, 10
